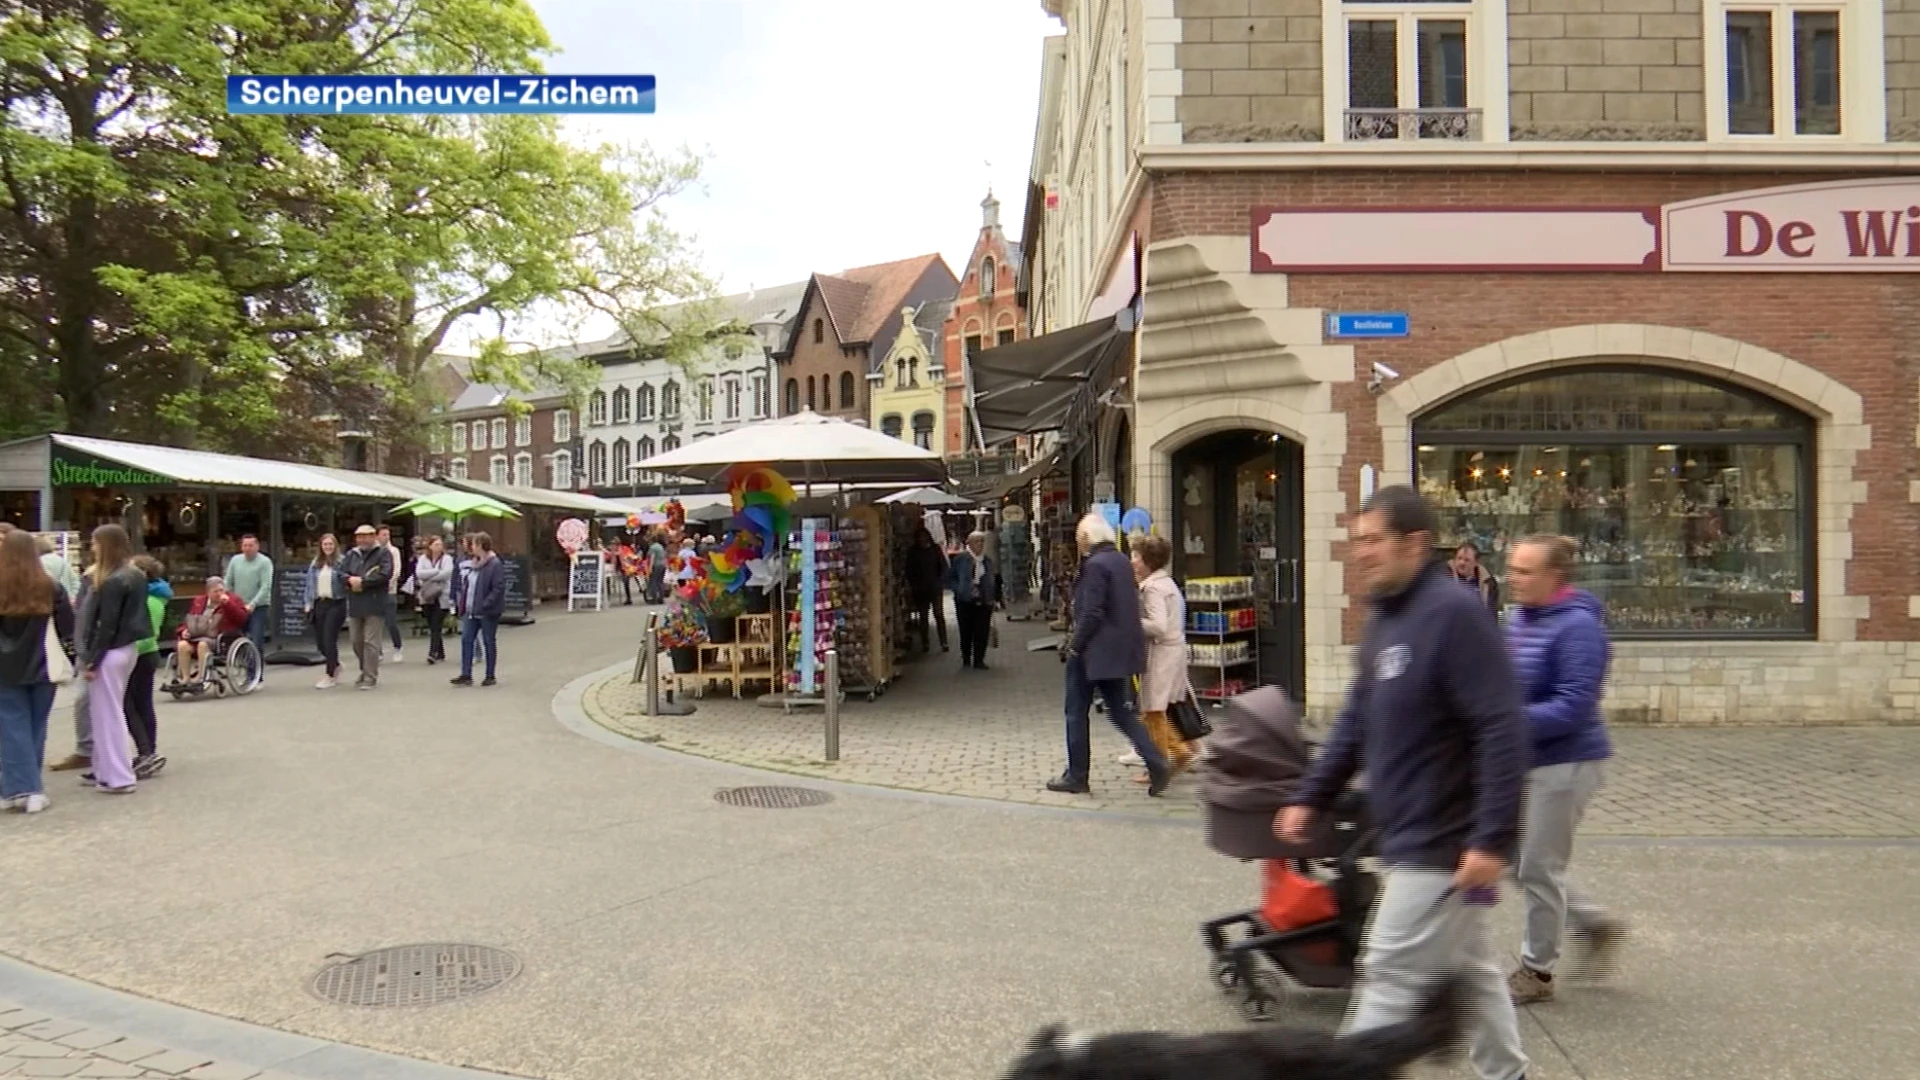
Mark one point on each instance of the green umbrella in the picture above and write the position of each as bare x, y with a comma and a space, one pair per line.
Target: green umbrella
456, 504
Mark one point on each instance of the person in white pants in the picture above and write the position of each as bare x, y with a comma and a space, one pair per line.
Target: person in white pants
1558, 640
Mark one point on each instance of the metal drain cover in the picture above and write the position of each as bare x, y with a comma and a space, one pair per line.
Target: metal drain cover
773, 798
416, 975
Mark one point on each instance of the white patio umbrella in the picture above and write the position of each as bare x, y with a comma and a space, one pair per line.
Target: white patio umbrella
926, 496
807, 449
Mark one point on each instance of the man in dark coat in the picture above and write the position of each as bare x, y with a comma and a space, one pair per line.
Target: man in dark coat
926, 586
368, 568
1108, 649
481, 603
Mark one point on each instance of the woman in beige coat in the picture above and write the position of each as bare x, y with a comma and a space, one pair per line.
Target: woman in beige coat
1163, 618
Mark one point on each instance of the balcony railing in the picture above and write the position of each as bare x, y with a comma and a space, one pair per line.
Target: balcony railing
1373, 125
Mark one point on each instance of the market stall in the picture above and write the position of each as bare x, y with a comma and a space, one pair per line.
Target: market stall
538, 568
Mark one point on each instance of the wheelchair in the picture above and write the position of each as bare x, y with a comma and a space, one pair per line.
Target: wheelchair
233, 666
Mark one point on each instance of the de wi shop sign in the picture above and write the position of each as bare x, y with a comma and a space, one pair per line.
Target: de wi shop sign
1846, 226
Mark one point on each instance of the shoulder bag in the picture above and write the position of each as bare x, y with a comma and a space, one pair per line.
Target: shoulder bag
59, 668
1188, 717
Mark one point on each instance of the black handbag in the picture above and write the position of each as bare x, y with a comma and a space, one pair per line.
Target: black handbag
1188, 718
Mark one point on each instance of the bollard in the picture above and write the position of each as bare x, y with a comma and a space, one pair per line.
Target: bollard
833, 705
652, 662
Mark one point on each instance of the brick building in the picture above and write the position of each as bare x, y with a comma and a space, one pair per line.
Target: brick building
987, 313
1646, 280
830, 351
478, 437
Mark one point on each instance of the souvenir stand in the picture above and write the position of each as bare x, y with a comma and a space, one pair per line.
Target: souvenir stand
820, 605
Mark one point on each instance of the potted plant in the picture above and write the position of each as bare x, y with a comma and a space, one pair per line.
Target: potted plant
718, 612
682, 636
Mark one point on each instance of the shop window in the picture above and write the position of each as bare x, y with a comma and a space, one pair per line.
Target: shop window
597, 464
730, 400
793, 396
670, 401
497, 470
923, 430
459, 438
457, 469
562, 425
891, 425
1406, 71
523, 469
622, 406
1691, 501
1782, 69
646, 402
561, 478
523, 430
762, 396
847, 395
597, 409
500, 433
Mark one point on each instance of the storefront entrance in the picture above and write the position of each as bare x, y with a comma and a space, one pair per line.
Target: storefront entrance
1238, 512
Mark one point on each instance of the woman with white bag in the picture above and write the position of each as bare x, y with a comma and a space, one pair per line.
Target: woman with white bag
36, 647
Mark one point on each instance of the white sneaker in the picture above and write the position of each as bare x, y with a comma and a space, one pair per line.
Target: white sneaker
397, 658
33, 804
1131, 757
14, 802
327, 682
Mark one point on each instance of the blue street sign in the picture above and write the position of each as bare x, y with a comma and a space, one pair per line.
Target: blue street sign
1368, 324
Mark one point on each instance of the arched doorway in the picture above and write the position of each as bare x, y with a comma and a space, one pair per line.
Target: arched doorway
1238, 511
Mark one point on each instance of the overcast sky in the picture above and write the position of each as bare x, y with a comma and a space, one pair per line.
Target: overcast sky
836, 134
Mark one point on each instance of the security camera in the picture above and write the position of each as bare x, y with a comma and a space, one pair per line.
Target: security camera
1383, 372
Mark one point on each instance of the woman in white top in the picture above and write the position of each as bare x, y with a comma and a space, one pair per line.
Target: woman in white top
326, 606
432, 578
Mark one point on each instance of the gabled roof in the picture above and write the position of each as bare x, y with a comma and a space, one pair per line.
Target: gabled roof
861, 300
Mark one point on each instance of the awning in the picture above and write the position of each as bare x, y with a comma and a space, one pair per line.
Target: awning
806, 449
1030, 386
1007, 485
544, 498
82, 461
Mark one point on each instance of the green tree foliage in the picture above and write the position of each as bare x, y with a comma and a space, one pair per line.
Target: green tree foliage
174, 272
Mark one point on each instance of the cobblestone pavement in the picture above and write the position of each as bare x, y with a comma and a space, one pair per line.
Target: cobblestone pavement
996, 735
33, 1044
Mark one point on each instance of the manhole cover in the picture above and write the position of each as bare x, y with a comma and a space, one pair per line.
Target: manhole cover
773, 798
416, 975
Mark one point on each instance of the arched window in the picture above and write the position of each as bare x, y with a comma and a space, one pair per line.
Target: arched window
646, 447
826, 393
923, 430
890, 425
670, 444
670, 401
1691, 500
793, 397
813, 400
597, 463
622, 406
988, 282
622, 461
645, 403
497, 470
597, 409
819, 332
847, 395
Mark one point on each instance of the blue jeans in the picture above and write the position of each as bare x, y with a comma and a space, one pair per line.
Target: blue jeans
485, 633
257, 629
1116, 693
23, 737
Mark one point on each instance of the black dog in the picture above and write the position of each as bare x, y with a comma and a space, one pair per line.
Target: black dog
1262, 1054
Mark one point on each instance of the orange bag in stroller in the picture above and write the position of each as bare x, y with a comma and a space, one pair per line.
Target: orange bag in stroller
1290, 900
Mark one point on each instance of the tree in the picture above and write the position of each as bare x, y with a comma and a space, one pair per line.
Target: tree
179, 273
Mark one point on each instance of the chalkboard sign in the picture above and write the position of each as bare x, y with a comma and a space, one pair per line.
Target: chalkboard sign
586, 581
519, 574
291, 631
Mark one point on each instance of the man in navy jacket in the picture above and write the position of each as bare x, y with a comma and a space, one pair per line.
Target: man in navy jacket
1560, 656
481, 599
1434, 719
1108, 649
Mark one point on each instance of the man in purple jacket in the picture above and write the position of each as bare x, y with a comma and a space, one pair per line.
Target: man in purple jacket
1560, 655
1444, 748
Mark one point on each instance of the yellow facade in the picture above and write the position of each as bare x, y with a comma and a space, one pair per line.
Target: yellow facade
909, 398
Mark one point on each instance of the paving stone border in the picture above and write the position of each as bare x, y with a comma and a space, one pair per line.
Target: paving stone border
33, 1044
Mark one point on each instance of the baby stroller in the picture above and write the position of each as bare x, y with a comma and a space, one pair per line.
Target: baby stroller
1317, 896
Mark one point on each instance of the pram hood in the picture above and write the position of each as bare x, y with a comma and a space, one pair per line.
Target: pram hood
1256, 756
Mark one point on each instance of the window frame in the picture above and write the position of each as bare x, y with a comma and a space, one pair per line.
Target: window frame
560, 470
458, 438
499, 470
596, 463
762, 396
523, 469
1803, 437
730, 399
620, 461
523, 430
670, 402
499, 432
1863, 67
457, 469
622, 405
597, 409
929, 430
849, 391
1487, 75
645, 402
562, 425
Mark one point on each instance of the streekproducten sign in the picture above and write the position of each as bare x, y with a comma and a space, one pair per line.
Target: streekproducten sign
1856, 226
73, 470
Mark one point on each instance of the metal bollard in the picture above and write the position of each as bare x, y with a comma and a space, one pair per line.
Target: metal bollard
833, 705
651, 640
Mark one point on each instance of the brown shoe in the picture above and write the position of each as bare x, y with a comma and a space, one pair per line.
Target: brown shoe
72, 762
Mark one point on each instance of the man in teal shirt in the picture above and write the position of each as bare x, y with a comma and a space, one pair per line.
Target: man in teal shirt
250, 577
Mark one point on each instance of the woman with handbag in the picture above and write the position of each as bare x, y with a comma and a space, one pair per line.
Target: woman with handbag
36, 643
1163, 618
433, 577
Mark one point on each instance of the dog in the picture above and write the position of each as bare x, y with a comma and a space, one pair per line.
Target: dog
1261, 1054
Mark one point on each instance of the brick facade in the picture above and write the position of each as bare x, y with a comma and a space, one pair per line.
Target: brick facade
830, 352
479, 462
1842, 347
986, 313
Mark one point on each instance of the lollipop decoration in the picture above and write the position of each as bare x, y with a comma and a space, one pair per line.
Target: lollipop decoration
676, 516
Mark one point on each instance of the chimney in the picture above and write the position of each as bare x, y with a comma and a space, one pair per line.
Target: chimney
990, 211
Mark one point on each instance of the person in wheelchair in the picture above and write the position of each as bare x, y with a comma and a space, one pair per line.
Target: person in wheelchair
215, 618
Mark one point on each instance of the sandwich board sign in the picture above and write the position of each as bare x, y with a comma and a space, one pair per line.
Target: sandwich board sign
586, 581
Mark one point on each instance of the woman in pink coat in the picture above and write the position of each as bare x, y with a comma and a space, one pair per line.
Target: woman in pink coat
1163, 618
